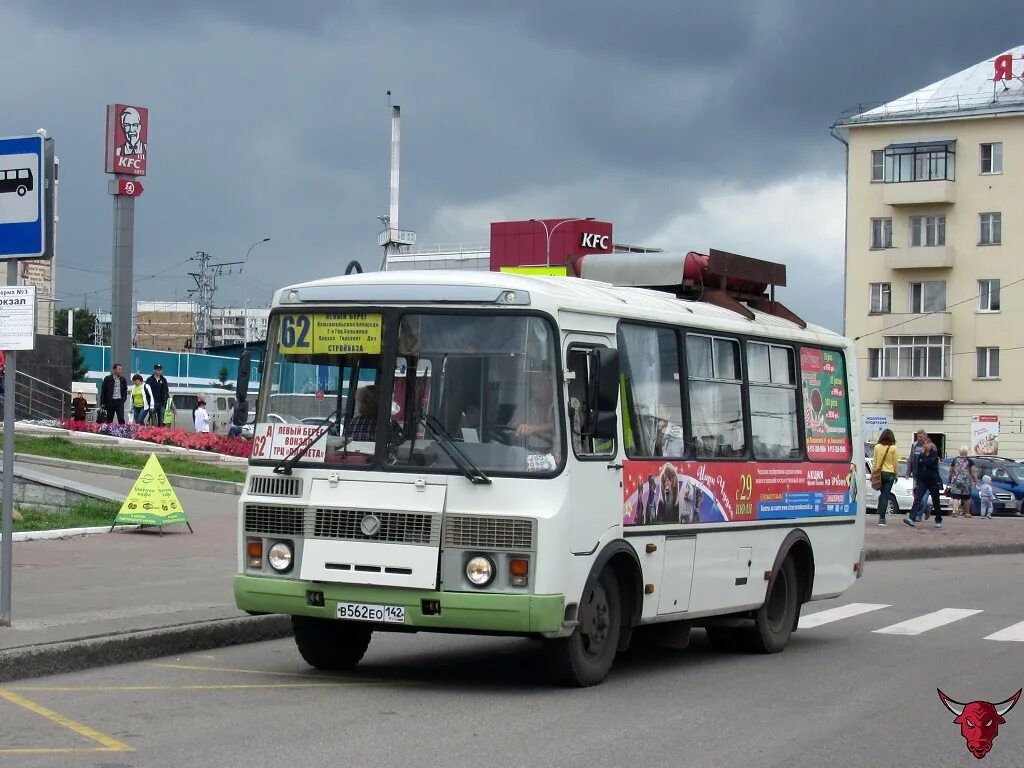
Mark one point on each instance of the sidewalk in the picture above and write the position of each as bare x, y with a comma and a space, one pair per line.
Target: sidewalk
111, 598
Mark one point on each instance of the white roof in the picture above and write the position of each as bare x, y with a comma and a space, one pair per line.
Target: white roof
968, 93
555, 294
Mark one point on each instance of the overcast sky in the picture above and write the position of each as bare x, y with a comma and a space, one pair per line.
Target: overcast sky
688, 127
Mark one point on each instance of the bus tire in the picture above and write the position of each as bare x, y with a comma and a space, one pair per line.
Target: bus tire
330, 644
773, 621
586, 656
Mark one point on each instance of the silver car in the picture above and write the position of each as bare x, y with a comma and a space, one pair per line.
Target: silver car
902, 498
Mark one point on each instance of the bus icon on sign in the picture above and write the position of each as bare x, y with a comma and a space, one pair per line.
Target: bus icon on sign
17, 180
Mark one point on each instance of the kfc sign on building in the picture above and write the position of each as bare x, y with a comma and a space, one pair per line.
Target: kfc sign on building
127, 137
1004, 67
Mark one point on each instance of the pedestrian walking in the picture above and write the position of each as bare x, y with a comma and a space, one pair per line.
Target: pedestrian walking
142, 399
987, 497
161, 394
926, 482
960, 481
113, 394
884, 466
915, 452
202, 416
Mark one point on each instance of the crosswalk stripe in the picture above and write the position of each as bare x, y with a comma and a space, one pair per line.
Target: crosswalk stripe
812, 620
1013, 633
928, 621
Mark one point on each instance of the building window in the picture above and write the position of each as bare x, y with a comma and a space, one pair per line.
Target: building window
988, 295
716, 397
919, 163
911, 357
881, 233
991, 158
988, 362
991, 229
773, 417
928, 296
927, 230
877, 164
880, 301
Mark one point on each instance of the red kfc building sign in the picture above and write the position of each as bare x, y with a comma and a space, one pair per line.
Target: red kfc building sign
1004, 67
127, 139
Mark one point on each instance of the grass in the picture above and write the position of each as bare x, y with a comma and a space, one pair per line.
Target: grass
84, 514
62, 448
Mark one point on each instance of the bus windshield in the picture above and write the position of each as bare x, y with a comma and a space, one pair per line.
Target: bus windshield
439, 392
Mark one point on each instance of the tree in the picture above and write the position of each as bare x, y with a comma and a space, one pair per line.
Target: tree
223, 374
84, 325
78, 366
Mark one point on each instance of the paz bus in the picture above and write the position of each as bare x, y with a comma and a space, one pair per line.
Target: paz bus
610, 457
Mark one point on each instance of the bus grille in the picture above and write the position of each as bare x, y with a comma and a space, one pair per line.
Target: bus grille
274, 521
473, 532
395, 527
275, 486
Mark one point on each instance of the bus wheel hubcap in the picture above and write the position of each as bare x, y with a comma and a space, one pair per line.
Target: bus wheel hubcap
595, 628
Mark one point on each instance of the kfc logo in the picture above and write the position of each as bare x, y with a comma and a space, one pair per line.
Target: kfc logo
127, 134
979, 721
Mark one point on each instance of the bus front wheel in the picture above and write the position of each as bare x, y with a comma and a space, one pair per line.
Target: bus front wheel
586, 656
329, 644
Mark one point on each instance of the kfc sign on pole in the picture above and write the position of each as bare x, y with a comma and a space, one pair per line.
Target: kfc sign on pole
127, 137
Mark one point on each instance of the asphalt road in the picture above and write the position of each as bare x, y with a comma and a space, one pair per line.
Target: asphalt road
842, 694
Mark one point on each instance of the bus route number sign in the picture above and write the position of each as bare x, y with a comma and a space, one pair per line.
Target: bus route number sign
330, 333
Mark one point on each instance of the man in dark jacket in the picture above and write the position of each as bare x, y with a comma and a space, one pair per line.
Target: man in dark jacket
114, 394
161, 394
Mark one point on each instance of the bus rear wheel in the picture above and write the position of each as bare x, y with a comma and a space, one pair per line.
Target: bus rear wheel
586, 656
773, 621
329, 644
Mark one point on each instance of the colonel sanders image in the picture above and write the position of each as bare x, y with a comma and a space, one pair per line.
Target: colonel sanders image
131, 126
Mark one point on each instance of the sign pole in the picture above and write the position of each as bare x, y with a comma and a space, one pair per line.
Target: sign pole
122, 307
7, 548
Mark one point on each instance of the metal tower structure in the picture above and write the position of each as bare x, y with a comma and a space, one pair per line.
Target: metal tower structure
206, 287
393, 239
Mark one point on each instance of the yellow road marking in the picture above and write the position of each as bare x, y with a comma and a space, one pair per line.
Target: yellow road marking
251, 671
107, 743
224, 687
56, 750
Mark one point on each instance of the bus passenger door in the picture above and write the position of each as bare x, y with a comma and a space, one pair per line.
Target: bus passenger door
595, 475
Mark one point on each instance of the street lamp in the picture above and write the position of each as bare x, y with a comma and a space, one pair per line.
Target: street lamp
245, 294
548, 234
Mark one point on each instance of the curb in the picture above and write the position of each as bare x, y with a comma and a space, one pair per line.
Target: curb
946, 550
67, 533
177, 481
75, 655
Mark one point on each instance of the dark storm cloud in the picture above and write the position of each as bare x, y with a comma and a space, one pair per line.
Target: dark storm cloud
270, 118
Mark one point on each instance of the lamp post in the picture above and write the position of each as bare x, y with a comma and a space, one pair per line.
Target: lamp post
245, 295
548, 234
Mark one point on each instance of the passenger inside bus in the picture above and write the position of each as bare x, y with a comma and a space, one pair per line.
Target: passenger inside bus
363, 427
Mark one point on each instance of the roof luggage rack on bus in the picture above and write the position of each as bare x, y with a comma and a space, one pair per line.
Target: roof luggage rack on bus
727, 280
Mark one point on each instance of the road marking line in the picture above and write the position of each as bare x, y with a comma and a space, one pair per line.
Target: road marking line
835, 614
306, 675
54, 750
1013, 633
108, 743
223, 687
928, 621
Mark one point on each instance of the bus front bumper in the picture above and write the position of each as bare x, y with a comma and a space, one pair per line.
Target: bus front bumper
469, 611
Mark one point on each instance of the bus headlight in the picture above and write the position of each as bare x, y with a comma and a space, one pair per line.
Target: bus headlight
280, 556
480, 571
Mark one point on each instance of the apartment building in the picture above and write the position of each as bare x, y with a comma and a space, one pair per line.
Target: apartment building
238, 325
935, 258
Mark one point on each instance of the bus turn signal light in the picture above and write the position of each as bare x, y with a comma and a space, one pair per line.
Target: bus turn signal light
518, 571
254, 550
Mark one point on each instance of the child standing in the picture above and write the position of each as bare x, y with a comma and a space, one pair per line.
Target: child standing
986, 496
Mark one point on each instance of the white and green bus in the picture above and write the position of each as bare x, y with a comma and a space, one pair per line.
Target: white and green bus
549, 457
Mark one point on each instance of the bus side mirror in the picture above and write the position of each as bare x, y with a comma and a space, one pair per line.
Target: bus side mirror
241, 413
602, 392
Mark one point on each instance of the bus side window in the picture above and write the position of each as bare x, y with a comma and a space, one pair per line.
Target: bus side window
652, 408
715, 383
577, 363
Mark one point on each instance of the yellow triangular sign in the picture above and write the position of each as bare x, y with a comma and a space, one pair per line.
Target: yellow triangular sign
152, 500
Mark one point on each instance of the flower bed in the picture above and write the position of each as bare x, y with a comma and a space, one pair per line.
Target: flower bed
196, 441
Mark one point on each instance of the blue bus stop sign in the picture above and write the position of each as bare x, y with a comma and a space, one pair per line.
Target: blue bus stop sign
22, 211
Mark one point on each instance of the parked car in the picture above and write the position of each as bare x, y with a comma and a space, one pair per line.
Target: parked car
902, 493
1007, 482
272, 418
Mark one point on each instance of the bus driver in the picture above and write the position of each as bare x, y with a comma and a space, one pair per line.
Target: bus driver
535, 419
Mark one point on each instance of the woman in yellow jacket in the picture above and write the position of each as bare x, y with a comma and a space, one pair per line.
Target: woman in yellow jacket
887, 460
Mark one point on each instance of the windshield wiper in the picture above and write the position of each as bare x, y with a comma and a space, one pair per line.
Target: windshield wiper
289, 461
469, 469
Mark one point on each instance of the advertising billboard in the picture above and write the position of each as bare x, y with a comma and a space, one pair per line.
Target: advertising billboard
127, 139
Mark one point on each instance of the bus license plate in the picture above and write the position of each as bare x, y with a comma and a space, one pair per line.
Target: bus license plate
384, 614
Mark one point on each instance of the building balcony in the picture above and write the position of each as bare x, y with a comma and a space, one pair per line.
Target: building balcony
926, 257
917, 390
918, 192
911, 324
